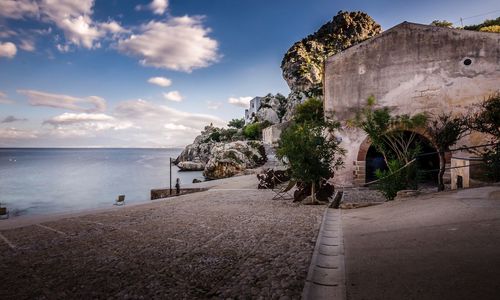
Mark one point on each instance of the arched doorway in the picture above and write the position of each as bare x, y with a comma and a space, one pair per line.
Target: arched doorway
427, 160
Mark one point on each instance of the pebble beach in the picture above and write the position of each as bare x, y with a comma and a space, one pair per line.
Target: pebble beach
232, 241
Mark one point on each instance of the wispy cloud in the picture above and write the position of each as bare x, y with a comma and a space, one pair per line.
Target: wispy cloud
12, 119
89, 104
240, 101
4, 99
173, 96
180, 44
84, 124
214, 105
161, 81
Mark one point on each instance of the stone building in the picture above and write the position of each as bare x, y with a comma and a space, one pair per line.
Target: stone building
410, 68
252, 110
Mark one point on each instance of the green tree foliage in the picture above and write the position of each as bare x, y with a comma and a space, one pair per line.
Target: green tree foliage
311, 111
236, 123
487, 120
486, 23
307, 148
254, 131
393, 136
487, 117
442, 23
445, 131
395, 179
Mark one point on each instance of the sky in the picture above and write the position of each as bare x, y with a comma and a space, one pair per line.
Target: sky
153, 73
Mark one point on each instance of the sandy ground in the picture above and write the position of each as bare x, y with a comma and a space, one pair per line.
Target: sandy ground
437, 246
232, 241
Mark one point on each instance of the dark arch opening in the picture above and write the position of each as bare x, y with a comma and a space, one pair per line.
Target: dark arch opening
427, 162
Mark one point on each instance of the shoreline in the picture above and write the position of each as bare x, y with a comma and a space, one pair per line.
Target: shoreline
231, 183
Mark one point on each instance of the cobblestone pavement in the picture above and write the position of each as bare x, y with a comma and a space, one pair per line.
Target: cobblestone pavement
214, 244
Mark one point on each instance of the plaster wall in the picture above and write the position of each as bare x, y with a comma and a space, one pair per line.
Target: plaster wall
410, 68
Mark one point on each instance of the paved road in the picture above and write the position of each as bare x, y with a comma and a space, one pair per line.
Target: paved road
444, 246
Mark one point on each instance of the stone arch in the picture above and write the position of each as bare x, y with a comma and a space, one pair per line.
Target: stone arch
360, 164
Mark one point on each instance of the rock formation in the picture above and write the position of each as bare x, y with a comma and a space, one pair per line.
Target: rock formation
229, 159
198, 152
303, 63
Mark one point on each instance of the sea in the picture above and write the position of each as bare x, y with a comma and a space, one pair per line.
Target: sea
45, 181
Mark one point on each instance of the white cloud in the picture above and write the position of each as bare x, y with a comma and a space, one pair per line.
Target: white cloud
240, 101
157, 6
89, 104
173, 96
180, 44
171, 126
18, 9
160, 125
72, 17
113, 27
4, 99
79, 31
13, 133
8, 50
161, 81
63, 48
86, 124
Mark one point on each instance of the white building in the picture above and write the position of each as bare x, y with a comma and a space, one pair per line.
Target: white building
252, 110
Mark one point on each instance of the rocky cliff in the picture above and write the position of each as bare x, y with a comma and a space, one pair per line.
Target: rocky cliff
303, 63
221, 153
229, 159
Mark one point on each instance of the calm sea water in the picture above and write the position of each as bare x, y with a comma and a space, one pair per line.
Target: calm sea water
41, 181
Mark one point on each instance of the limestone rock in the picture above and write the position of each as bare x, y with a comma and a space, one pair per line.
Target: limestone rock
229, 159
200, 149
303, 63
191, 166
272, 109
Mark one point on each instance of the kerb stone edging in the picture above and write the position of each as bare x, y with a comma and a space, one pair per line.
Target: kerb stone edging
326, 275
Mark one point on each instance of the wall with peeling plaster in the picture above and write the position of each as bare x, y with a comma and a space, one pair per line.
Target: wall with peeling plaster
410, 68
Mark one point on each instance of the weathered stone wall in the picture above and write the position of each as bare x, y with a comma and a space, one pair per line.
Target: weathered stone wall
411, 68
271, 135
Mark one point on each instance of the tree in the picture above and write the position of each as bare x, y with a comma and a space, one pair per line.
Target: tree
442, 23
311, 111
393, 136
487, 120
236, 123
311, 153
445, 131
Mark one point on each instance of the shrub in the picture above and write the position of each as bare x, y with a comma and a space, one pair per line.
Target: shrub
236, 123
396, 179
252, 131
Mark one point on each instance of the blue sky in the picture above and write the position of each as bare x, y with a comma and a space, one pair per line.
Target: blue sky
116, 73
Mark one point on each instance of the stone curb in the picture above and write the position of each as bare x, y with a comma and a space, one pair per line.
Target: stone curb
326, 275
